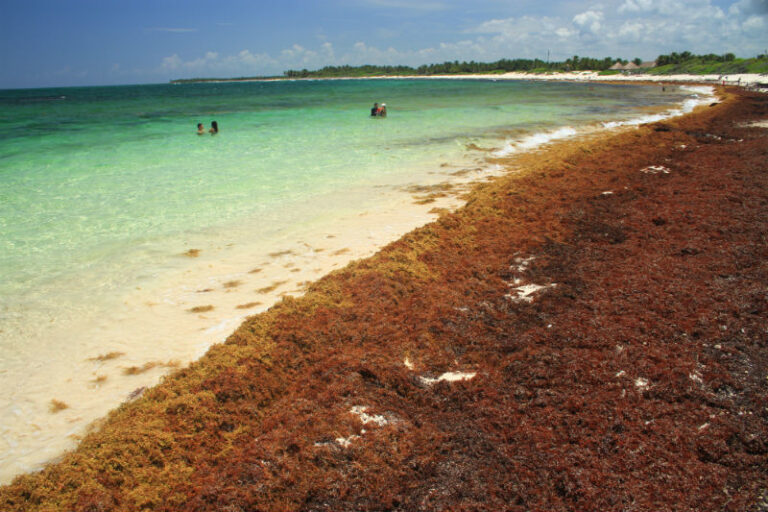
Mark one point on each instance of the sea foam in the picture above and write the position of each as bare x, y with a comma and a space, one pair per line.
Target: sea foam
701, 96
536, 140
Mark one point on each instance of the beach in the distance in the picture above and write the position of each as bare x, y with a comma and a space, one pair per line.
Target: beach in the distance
733, 79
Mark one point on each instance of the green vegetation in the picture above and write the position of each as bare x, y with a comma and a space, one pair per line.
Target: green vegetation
574, 63
674, 63
688, 63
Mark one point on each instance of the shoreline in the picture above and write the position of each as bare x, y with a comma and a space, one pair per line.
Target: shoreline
207, 300
198, 305
393, 263
735, 79
273, 417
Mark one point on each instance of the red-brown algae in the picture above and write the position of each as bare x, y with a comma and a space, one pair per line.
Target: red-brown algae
636, 383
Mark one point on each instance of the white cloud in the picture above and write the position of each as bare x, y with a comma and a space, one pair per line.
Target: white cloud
632, 31
636, 6
589, 21
364, 54
512, 27
749, 7
755, 24
213, 64
644, 28
327, 49
683, 10
627, 29
172, 63
292, 52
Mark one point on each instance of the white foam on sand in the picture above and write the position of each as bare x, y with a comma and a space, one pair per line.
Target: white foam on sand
703, 95
642, 384
522, 264
756, 124
365, 418
536, 140
655, 169
448, 377
526, 292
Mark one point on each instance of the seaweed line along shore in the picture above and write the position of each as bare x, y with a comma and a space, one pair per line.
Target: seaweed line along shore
130, 244
587, 333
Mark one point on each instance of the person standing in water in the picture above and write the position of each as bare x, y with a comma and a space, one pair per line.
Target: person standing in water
200, 129
214, 128
379, 111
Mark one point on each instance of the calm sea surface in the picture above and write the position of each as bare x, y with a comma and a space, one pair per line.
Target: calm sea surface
103, 191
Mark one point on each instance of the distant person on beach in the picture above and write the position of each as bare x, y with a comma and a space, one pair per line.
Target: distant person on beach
214, 128
200, 129
375, 110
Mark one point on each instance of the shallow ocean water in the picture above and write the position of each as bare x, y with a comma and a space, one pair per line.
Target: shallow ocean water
104, 191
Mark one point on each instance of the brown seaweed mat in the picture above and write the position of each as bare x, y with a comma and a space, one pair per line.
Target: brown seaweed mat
586, 334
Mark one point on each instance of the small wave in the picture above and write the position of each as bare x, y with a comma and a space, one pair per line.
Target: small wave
653, 118
700, 96
703, 90
535, 140
38, 99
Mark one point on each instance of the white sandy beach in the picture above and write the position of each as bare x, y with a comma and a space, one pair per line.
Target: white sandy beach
745, 79
739, 79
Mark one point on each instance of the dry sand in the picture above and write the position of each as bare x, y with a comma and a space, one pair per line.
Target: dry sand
743, 79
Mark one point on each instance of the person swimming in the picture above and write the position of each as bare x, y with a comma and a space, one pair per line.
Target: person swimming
214, 128
200, 129
379, 111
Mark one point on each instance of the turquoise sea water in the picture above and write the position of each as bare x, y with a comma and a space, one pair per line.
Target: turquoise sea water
88, 174
101, 189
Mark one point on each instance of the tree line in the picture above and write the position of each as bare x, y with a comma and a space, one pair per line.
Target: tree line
726, 62
686, 57
574, 63
665, 64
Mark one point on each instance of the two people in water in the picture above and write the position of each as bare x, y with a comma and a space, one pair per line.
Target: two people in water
376, 111
213, 131
379, 111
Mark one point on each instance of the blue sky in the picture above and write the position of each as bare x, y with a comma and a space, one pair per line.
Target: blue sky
93, 42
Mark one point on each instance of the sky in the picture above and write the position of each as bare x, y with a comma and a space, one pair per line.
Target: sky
47, 43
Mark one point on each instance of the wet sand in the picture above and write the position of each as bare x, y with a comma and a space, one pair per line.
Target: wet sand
171, 318
588, 332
